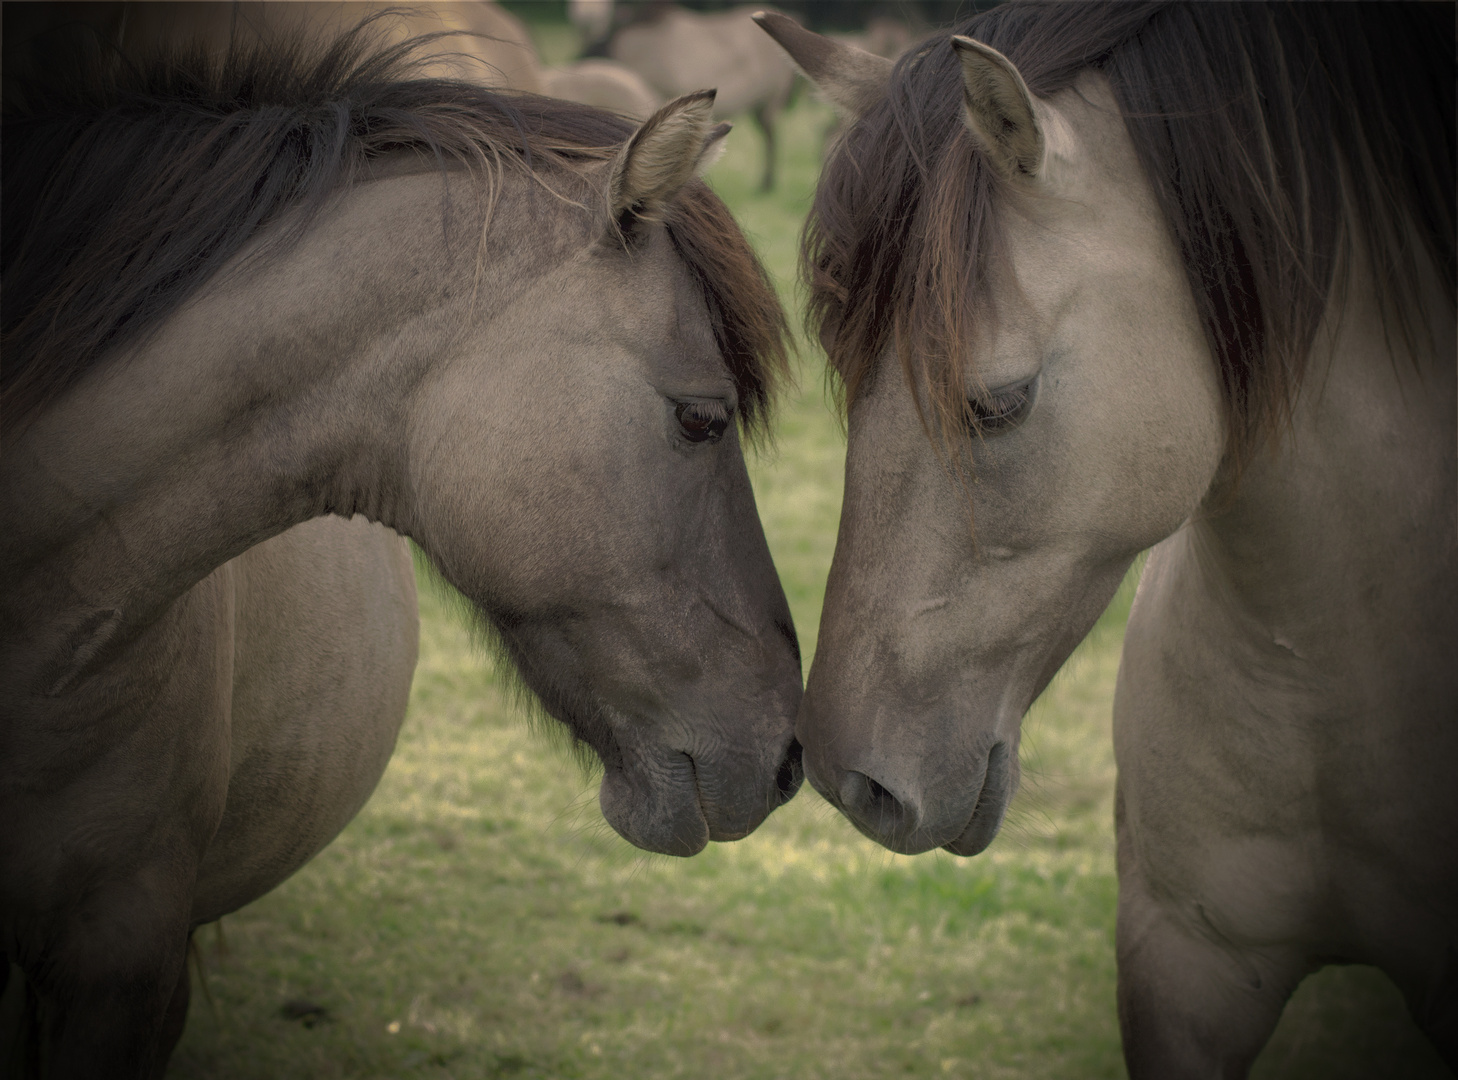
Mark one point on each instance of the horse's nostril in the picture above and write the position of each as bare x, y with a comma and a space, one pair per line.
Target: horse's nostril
791, 773
875, 806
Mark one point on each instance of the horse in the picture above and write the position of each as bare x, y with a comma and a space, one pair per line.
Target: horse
265, 317
1101, 279
603, 83
468, 39
675, 50
593, 18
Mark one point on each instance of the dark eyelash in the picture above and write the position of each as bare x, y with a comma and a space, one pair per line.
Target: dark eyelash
702, 421
998, 412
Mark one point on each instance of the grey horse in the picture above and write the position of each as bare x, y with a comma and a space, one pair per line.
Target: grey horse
264, 318
1117, 276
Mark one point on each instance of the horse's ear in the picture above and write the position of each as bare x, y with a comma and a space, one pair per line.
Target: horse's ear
851, 78
999, 109
664, 154
713, 148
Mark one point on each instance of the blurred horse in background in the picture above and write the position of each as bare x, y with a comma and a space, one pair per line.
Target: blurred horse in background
475, 40
603, 83
675, 50
881, 36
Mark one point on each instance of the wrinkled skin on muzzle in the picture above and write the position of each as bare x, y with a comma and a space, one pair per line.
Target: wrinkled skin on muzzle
685, 683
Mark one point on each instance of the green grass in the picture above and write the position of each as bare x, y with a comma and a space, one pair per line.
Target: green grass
478, 919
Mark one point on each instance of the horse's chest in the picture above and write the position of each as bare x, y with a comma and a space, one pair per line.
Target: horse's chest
1264, 798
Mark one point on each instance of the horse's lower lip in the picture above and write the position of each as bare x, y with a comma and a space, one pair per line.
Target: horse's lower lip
663, 808
661, 814
980, 831
992, 802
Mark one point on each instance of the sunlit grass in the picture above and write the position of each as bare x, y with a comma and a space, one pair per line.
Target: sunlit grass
478, 919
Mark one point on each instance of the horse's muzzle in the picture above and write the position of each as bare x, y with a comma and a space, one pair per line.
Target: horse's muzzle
673, 804
898, 815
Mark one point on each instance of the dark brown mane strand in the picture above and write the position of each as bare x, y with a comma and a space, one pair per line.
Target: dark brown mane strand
1275, 136
128, 185
749, 322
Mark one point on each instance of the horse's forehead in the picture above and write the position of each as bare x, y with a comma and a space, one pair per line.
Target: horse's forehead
687, 324
1091, 212
1089, 157
643, 298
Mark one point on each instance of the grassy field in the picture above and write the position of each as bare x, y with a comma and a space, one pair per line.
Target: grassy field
478, 919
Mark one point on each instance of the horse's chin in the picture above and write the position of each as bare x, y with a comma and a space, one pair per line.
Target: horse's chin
656, 807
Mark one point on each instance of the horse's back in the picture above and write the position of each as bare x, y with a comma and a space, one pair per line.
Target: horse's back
481, 41
684, 51
325, 637
604, 83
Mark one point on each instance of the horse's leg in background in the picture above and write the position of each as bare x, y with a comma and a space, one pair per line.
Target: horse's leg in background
106, 988
766, 114
1190, 1004
120, 958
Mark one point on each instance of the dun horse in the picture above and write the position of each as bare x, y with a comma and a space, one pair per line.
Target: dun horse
675, 50
260, 316
466, 39
1129, 275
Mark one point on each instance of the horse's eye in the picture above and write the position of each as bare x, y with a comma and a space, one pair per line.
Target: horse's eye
995, 412
702, 421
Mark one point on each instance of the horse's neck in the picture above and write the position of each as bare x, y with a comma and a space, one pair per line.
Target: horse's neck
271, 397
1338, 548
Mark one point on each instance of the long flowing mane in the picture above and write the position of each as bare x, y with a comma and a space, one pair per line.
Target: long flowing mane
1277, 137
128, 185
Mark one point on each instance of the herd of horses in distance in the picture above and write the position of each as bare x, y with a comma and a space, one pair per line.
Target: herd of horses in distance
285, 287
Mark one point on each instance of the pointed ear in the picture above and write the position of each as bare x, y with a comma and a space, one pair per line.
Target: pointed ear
851, 78
664, 154
999, 110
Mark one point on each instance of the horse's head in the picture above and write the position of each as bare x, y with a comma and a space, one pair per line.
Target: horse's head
580, 478
1054, 384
